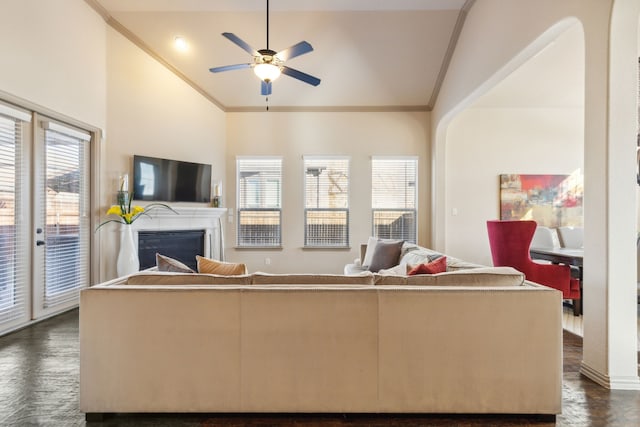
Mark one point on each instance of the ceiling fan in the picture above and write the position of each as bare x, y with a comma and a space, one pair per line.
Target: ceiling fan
268, 64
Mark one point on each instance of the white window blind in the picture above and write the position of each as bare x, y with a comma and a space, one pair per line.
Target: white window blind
259, 201
394, 198
14, 240
326, 213
65, 193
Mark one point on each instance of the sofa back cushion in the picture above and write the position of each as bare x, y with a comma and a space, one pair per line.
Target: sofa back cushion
484, 276
260, 278
170, 278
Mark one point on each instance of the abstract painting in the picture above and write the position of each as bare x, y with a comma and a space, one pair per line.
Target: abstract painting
550, 200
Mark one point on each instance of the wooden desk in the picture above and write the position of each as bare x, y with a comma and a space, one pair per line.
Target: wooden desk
567, 256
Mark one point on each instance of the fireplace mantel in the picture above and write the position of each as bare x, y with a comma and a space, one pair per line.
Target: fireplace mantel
187, 218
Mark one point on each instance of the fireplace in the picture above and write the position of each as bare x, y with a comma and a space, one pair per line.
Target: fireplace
182, 245
192, 231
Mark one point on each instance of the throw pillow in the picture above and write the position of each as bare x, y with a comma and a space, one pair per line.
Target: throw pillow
432, 267
386, 255
166, 263
368, 255
398, 270
212, 266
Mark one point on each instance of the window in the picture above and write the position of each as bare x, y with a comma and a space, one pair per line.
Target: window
393, 197
259, 201
326, 213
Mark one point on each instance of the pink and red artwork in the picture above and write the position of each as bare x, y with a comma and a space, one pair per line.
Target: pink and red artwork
550, 200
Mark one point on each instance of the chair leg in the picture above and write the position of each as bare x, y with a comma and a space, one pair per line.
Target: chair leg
577, 307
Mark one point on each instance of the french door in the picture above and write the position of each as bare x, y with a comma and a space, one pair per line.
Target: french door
61, 216
44, 216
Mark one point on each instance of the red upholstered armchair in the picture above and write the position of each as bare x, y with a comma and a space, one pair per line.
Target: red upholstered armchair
510, 241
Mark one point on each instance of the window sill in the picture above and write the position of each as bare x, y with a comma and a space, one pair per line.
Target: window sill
326, 248
258, 248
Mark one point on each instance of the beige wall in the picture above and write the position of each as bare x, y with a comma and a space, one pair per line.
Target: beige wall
292, 135
152, 112
52, 54
482, 143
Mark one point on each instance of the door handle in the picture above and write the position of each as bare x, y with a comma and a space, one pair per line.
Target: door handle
40, 243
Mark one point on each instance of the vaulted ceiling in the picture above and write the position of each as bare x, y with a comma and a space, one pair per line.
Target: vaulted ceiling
370, 55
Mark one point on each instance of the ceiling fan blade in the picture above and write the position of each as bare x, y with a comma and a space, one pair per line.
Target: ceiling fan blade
300, 76
266, 88
238, 41
295, 50
229, 68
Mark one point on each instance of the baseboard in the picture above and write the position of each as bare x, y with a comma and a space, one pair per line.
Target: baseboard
612, 383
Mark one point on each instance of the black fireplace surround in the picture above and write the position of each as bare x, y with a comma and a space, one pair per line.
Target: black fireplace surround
182, 245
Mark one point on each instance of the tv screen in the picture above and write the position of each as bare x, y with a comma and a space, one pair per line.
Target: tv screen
166, 180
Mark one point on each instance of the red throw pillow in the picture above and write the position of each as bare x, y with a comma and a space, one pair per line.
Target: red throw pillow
433, 267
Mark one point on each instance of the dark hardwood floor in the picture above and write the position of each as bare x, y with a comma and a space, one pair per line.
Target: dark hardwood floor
39, 368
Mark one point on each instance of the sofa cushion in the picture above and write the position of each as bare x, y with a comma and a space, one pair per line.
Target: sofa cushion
212, 266
485, 276
458, 264
368, 254
165, 263
439, 265
398, 270
386, 255
259, 278
389, 279
171, 278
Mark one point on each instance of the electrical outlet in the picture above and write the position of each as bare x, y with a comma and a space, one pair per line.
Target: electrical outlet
267, 261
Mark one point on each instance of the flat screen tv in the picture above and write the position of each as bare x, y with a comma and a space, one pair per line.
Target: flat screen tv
164, 180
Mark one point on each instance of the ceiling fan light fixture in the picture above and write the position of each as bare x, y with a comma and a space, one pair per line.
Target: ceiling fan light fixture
267, 72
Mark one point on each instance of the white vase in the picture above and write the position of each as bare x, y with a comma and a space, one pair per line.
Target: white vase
128, 261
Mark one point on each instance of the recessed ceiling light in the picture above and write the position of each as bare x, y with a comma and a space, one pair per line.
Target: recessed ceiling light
181, 43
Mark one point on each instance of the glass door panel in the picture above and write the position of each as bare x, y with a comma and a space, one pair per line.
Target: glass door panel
63, 225
15, 303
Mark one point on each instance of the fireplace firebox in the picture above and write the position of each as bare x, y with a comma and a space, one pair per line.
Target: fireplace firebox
182, 245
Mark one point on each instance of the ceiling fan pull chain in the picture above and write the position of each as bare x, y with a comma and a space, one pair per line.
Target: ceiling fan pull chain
267, 101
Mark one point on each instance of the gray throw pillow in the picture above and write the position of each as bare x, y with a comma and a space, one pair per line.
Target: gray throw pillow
165, 263
386, 255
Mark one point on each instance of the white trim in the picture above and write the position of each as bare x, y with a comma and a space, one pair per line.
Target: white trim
259, 157
14, 112
612, 383
66, 130
395, 158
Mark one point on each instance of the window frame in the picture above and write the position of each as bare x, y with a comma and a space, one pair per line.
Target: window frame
242, 242
345, 243
407, 210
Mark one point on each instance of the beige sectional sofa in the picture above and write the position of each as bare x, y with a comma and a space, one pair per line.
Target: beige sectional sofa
474, 341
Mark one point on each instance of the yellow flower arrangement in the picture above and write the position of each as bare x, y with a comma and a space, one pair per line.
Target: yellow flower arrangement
128, 214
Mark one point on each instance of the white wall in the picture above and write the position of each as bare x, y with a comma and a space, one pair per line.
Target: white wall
483, 143
498, 37
53, 54
292, 135
152, 112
